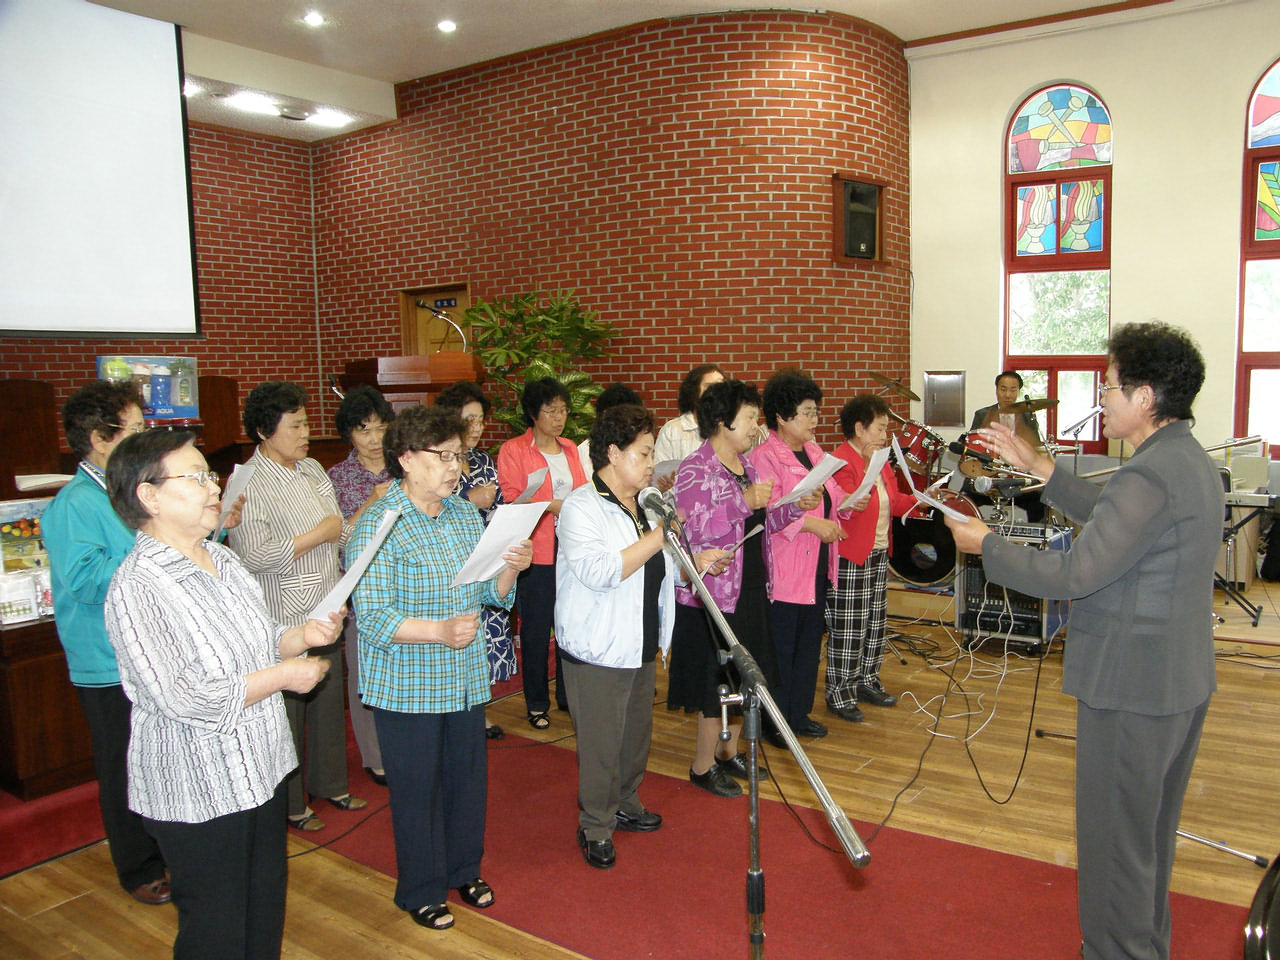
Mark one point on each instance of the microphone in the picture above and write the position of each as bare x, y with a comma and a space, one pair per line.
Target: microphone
963, 450
1003, 486
1079, 424
653, 500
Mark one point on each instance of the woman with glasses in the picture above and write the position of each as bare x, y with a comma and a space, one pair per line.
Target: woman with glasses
425, 670
545, 404
288, 539
478, 483
800, 557
359, 480
204, 663
1140, 657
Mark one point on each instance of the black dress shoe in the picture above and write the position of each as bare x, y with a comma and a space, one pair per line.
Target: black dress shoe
736, 767
774, 739
598, 853
852, 714
379, 778
874, 694
645, 821
810, 728
716, 781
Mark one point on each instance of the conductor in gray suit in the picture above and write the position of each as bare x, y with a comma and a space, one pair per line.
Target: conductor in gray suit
1139, 651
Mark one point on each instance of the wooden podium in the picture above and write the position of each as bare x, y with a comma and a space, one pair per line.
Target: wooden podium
412, 381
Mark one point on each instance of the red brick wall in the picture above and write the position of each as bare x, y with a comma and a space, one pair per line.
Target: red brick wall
253, 224
676, 174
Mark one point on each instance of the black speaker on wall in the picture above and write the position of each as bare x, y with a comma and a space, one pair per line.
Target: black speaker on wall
861, 220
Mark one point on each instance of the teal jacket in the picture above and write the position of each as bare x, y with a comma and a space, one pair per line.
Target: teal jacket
86, 542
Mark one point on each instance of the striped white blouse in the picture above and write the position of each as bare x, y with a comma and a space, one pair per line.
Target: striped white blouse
185, 642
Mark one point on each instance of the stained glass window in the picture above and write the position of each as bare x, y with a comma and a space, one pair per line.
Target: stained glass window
1057, 248
1059, 128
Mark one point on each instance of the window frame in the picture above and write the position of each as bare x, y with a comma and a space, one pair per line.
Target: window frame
1252, 249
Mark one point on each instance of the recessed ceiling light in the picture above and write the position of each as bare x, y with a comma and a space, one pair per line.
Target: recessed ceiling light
191, 89
324, 117
251, 102
314, 18
446, 26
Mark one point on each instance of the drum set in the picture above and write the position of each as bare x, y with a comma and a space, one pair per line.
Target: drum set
924, 552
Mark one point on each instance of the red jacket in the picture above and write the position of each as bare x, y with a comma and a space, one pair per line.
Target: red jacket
519, 457
860, 528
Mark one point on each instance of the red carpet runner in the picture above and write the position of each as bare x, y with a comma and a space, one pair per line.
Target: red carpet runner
680, 892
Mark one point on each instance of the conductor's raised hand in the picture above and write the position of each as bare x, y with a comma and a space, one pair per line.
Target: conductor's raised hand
1011, 448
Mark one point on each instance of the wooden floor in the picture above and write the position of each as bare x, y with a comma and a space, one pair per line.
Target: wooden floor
73, 908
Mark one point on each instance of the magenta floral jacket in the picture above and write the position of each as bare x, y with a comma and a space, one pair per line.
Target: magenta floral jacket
714, 511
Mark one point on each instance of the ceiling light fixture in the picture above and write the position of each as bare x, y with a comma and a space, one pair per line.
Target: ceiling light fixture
314, 18
446, 26
251, 102
191, 89
324, 117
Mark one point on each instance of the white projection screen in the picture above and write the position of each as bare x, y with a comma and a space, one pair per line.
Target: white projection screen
95, 210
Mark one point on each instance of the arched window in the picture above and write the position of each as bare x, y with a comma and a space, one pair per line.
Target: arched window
1258, 364
1058, 251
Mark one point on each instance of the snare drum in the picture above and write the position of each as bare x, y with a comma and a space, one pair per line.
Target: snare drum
924, 552
921, 448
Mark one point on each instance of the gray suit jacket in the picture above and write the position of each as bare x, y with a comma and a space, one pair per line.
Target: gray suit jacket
1139, 635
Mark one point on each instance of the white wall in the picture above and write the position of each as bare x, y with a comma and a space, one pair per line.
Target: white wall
1177, 85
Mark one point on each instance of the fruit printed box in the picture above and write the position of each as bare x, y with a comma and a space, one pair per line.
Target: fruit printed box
21, 546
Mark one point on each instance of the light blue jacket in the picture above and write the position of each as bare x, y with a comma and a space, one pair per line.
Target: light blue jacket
86, 541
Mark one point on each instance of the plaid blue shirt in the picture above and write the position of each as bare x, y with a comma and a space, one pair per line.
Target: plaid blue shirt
409, 579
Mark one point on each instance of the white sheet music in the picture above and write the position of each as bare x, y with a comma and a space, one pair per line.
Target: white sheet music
876, 464
510, 523
535, 481
236, 483
823, 470
336, 597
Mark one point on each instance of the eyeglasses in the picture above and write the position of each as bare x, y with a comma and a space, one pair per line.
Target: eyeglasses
133, 428
474, 418
203, 477
807, 413
556, 411
1104, 387
446, 456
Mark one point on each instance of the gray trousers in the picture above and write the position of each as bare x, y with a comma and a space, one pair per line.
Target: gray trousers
1131, 775
612, 711
318, 722
362, 724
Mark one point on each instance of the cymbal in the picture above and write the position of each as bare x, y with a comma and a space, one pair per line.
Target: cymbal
894, 386
1034, 404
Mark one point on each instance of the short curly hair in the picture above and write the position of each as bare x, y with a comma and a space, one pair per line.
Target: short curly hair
267, 403
618, 426
719, 405
862, 409
458, 395
361, 403
537, 394
1163, 357
97, 408
687, 398
140, 459
784, 392
417, 429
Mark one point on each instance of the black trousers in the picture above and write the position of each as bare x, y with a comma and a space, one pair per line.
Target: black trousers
136, 857
229, 877
797, 630
437, 778
536, 601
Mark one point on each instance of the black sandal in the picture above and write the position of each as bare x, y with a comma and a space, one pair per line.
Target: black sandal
539, 720
473, 894
493, 732
435, 917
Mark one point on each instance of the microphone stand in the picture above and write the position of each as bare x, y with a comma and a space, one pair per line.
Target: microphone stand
753, 695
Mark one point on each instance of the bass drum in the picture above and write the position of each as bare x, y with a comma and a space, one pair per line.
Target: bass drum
924, 552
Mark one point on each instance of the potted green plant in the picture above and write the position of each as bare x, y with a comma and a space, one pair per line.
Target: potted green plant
535, 335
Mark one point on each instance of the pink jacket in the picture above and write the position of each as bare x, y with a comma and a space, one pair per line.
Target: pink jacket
519, 457
791, 555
